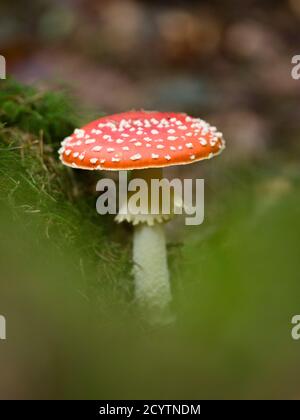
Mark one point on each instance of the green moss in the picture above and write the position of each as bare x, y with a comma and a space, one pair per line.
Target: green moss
53, 201
36, 112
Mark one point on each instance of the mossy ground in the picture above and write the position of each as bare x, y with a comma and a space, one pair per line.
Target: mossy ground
66, 287
37, 190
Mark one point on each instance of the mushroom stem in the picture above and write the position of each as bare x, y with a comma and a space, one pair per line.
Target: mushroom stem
151, 274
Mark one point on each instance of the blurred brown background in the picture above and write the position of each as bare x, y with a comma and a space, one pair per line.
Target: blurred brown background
228, 62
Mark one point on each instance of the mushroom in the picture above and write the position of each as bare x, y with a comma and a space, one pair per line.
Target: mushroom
144, 142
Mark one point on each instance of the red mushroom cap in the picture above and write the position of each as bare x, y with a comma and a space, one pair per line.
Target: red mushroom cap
139, 140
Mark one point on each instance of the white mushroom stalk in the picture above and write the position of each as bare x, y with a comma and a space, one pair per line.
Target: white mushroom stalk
151, 273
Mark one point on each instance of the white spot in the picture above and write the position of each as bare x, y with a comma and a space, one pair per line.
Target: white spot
81, 157
65, 140
173, 148
154, 132
138, 143
68, 152
136, 157
168, 157
148, 145
102, 160
183, 127
75, 154
125, 148
192, 157
160, 146
189, 134
115, 159
94, 160
154, 156
110, 149
79, 133
89, 141
97, 148
119, 141
189, 145
124, 123
171, 131
203, 142
78, 143
124, 135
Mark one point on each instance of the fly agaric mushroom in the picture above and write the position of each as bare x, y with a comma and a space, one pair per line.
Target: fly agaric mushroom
144, 142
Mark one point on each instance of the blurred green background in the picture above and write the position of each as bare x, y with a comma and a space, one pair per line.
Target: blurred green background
65, 282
